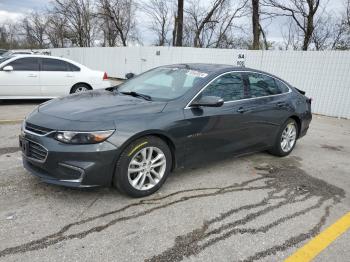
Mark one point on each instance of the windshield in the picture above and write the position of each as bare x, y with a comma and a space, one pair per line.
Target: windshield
163, 83
3, 59
8, 53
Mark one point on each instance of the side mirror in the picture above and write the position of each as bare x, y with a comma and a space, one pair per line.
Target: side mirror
208, 101
129, 75
8, 68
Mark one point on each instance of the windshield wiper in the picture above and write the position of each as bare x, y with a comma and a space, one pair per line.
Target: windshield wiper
135, 94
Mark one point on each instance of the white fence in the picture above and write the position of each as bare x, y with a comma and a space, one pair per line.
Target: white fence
325, 76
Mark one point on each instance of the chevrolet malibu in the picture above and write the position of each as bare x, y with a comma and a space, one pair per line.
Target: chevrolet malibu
133, 135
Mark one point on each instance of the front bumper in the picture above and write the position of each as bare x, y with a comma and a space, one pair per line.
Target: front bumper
70, 165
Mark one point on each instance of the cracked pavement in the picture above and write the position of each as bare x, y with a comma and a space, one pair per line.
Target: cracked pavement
253, 208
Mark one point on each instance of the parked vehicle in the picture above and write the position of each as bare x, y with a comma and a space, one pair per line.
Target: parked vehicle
2, 51
133, 135
40, 76
8, 53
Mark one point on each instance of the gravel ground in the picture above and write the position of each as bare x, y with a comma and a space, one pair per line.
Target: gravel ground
253, 208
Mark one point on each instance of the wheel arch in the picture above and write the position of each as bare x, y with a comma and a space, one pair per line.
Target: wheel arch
298, 121
80, 83
160, 134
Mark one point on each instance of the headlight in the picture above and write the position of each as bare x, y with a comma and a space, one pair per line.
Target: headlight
73, 137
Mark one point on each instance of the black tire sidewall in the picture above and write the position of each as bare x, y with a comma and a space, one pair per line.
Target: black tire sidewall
121, 180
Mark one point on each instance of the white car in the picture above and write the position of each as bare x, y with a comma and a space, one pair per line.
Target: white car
41, 76
16, 52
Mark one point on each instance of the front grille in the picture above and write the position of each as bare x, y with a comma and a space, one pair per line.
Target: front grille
37, 129
36, 151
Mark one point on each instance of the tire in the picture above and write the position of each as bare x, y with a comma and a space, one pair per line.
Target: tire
134, 166
79, 88
278, 148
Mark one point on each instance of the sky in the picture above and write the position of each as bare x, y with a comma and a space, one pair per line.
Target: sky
15, 9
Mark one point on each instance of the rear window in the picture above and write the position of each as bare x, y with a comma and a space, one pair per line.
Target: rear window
282, 86
49, 64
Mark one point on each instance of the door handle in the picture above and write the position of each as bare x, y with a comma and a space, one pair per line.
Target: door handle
69, 75
32, 75
241, 110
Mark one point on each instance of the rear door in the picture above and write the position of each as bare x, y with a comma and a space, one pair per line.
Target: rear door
268, 107
23, 81
56, 77
213, 132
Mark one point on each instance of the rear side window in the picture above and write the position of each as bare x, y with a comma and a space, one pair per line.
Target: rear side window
282, 86
25, 64
262, 85
228, 87
50, 64
73, 67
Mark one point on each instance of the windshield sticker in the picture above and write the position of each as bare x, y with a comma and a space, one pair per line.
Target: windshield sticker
196, 73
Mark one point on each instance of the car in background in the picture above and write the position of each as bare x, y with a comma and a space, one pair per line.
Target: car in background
2, 51
133, 135
42, 77
9, 53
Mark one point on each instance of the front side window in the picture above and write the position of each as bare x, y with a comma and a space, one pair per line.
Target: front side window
25, 64
229, 87
164, 83
49, 64
262, 85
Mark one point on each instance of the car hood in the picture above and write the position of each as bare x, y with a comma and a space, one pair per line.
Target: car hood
97, 106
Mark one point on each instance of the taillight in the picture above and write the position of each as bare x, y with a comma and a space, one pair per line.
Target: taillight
105, 76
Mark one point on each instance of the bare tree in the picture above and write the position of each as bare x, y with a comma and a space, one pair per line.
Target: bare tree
121, 13
80, 20
56, 29
9, 35
302, 13
160, 13
34, 26
347, 13
213, 27
179, 19
256, 24
291, 39
201, 21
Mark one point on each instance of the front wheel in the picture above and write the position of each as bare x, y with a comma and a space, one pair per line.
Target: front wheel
286, 138
143, 167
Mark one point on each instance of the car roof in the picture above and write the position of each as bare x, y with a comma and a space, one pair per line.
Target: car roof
48, 56
216, 69
213, 68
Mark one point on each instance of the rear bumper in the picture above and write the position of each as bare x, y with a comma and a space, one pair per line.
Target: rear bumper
72, 165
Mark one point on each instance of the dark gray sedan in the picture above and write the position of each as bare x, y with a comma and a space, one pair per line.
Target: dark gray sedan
133, 135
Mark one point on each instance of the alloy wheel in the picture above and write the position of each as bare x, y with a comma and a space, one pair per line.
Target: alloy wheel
146, 168
288, 137
81, 89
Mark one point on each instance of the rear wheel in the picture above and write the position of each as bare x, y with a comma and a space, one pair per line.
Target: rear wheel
79, 88
143, 167
286, 138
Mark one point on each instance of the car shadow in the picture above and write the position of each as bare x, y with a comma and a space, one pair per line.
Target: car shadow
21, 101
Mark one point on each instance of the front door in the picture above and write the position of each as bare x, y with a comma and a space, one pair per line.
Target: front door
23, 80
213, 132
